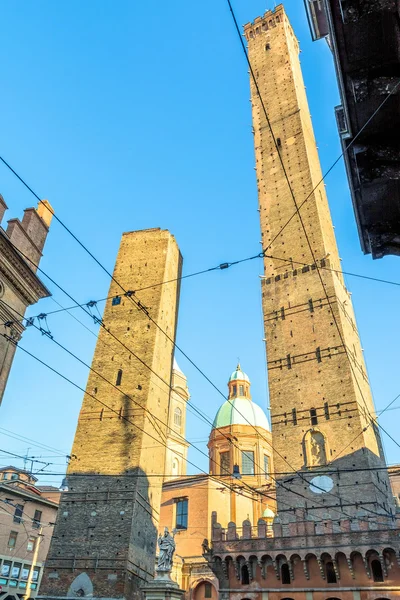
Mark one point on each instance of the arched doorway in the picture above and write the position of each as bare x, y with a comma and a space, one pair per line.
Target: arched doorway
204, 590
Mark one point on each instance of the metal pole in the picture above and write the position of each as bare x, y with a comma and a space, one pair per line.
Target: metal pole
33, 565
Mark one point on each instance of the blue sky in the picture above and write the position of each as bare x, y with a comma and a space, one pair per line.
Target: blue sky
132, 115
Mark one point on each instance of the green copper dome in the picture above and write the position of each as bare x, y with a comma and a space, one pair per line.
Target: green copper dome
238, 374
240, 411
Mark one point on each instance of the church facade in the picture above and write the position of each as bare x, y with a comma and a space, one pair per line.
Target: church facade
238, 483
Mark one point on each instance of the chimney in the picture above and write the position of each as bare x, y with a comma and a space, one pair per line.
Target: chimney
3, 208
45, 212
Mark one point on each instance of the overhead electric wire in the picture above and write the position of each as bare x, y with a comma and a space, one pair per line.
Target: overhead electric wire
21, 438
176, 478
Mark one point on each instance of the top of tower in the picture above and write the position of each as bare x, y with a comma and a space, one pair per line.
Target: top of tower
177, 368
269, 13
239, 375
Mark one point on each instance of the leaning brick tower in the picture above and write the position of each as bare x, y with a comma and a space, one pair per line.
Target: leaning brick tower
104, 540
321, 404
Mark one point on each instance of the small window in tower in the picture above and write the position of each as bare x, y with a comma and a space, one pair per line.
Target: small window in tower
241, 390
313, 416
266, 466
285, 574
376, 568
116, 300
182, 513
326, 411
178, 418
247, 462
244, 575
268, 46
330, 573
278, 142
119, 377
225, 463
207, 590
234, 391
294, 416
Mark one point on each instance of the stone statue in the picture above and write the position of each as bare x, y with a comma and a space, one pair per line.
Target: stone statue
206, 548
166, 543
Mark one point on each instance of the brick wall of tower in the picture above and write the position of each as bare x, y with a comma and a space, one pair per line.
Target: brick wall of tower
308, 347
108, 519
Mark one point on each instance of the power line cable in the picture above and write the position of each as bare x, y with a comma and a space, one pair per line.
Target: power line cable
21, 438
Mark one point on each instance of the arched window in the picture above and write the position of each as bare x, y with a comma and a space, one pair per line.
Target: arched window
330, 573
178, 417
244, 575
175, 467
376, 569
285, 573
119, 377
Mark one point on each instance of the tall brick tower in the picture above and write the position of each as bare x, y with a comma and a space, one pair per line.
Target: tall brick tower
104, 541
320, 398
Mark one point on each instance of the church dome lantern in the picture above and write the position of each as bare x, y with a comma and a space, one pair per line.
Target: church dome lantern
239, 384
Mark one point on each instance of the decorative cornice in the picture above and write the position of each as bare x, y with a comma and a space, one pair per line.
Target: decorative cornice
19, 274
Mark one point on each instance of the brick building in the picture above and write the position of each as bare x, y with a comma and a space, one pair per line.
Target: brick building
27, 512
104, 541
21, 246
335, 536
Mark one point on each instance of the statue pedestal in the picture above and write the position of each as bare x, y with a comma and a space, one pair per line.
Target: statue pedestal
162, 588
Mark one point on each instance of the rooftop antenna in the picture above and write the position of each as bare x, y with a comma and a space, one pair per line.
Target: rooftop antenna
26, 458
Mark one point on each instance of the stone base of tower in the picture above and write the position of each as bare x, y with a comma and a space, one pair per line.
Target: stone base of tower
104, 541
